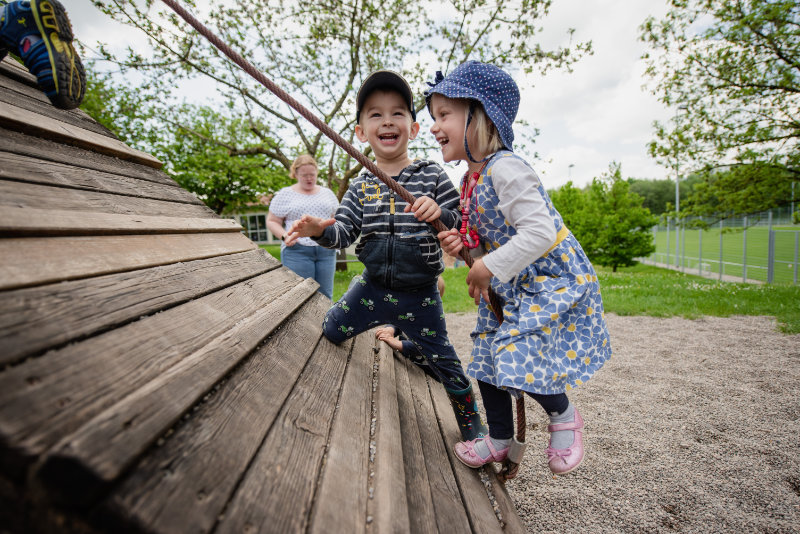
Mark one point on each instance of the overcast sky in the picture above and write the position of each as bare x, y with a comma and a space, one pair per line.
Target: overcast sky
597, 114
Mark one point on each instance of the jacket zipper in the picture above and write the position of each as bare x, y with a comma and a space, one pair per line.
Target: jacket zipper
390, 247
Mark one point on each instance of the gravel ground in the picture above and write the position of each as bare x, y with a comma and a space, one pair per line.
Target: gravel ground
692, 426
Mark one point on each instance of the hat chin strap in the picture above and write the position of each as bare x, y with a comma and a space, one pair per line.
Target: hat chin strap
466, 144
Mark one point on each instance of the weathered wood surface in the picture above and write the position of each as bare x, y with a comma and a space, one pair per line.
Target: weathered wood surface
160, 374
35, 196
12, 116
79, 158
55, 259
23, 168
40, 318
40, 222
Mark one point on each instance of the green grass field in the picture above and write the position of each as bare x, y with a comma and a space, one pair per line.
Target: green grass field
704, 246
645, 290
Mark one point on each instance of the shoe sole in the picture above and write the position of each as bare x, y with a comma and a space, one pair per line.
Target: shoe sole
69, 76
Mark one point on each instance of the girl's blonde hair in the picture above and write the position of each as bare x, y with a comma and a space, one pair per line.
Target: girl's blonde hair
304, 159
488, 137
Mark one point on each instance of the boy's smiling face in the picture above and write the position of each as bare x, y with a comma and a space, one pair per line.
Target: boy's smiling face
387, 126
449, 116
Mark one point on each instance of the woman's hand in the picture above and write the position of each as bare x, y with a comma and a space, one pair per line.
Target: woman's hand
479, 277
451, 242
306, 226
425, 209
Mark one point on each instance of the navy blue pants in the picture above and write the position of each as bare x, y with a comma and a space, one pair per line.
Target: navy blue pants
418, 314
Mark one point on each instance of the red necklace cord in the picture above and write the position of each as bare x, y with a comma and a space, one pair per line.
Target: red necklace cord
469, 236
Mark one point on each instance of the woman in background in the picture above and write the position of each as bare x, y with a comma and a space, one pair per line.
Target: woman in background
305, 257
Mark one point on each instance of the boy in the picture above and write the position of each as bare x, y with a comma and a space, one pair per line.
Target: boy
398, 247
40, 33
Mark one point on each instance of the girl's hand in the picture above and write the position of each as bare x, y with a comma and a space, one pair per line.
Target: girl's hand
451, 242
479, 278
306, 226
425, 209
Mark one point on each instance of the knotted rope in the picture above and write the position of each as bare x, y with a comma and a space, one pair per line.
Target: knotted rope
352, 151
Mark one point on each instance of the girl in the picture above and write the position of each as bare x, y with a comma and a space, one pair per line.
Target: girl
553, 336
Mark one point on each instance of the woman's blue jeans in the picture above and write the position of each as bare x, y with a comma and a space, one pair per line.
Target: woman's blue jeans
312, 262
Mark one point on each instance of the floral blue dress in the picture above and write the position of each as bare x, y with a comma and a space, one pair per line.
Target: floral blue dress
554, 335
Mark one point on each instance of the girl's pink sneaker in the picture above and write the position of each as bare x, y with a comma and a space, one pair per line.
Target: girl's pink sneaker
563, 461
465, 451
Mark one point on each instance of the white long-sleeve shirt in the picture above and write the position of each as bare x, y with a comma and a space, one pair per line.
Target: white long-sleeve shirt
517, 188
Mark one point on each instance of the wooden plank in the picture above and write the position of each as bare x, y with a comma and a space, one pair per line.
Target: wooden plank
448, 505
418, 487
37, 222
509, 518
17, 118
184, 484
39, 318
11, 67
18, 94
477, 503
43, 260
388, 506
45, 398
277, 492
36, 170
86, 462
342, 495
45, 149
34, 196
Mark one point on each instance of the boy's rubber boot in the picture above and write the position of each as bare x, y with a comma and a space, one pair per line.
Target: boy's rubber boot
53, 60
466, 411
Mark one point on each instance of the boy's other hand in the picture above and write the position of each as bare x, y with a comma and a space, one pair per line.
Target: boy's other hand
451, 242
425, 209
386, 334
307, 226
479, 278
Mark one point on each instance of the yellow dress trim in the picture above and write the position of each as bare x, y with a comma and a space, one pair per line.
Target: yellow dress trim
561, 236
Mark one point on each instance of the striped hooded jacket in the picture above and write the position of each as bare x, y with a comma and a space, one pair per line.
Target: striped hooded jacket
398, 251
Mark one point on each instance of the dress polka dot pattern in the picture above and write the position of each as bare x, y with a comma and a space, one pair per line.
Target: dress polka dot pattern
290, 205
553, 336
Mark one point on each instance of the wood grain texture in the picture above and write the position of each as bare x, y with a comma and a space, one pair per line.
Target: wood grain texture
21, 95
46, 398
43, 260
449, 508
16, 118
37, 222
39, 318
85, 462
22, 168
478, 507
185, 484
35, 196
277, 493
81, 158
422, 516
388, 506
341, 500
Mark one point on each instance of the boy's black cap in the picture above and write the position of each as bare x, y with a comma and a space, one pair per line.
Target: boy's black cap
385, 79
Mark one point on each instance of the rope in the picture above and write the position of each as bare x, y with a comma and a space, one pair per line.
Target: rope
494, 300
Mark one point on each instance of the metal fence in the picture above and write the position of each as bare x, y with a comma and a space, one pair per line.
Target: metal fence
759, 248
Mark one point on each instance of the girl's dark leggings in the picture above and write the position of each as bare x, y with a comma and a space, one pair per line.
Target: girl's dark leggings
499, 415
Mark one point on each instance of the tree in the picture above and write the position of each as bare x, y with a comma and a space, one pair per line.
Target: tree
319, 52
733, 67
196, 154
608, 219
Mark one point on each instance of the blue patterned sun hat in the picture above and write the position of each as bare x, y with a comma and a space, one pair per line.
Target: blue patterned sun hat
494, 88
